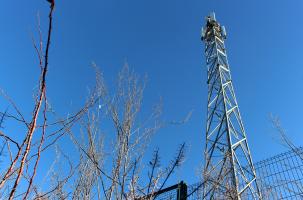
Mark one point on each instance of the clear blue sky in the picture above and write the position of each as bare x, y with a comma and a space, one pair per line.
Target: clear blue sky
162, 39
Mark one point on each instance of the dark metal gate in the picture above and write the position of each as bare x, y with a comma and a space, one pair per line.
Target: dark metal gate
175, 192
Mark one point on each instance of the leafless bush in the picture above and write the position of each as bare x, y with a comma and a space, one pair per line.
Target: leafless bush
110, 164
284, 138
115, 171
40, 134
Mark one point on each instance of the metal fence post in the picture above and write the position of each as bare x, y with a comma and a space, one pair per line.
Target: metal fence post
182, 191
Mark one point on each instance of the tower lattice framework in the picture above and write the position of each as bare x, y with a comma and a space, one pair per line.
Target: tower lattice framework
229, 172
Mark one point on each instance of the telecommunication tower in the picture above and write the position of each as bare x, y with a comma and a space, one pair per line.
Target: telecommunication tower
229, 172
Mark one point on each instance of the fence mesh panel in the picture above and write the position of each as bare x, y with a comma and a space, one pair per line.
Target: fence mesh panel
279, 177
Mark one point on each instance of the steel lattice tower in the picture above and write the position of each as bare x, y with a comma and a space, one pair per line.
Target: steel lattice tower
229, 172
